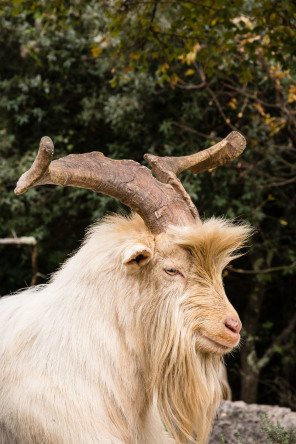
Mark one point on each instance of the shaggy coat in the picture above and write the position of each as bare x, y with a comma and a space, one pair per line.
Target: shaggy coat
124, 344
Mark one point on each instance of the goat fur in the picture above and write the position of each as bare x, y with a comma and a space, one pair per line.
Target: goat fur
110, 349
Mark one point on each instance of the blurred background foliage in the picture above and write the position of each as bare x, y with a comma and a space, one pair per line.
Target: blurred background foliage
172, 78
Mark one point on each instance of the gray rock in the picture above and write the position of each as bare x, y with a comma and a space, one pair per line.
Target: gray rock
239, 417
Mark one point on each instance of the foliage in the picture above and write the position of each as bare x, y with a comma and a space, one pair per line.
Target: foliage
277, 434
129, 77
231, 64
274, 434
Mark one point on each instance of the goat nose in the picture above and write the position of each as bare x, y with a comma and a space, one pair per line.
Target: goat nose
233, 324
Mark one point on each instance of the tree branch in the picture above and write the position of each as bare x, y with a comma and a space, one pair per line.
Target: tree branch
251, 96
264, 271
214, 97
153, 12
264, 360
192, 130
145, 2
278, 184
189, 86
25, 240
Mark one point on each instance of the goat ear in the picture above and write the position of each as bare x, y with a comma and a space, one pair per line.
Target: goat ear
137, 255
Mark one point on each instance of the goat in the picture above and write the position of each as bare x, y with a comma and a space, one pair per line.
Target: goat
124, 344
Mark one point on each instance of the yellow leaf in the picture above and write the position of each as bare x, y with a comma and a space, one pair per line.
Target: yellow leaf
164, 68
182, 57
190, 57
174, 78
270, 197
259, 108
96, 51
276, 71
275, 124
292, 94
113, 82
197, 48
232, 103
189, 72
283, 222
243, 19
249, 39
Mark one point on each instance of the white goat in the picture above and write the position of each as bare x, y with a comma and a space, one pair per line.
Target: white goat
126, 337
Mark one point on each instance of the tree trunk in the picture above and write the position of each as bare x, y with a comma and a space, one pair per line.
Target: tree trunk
250, 380
249, 359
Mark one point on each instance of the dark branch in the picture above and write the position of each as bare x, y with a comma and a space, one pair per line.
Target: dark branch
277, 343
264, 271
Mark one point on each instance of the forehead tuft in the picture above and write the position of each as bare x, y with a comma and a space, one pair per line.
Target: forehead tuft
213, 241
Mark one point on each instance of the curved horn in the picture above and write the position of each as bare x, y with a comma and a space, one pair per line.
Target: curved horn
133, 184
159, 201
224, 151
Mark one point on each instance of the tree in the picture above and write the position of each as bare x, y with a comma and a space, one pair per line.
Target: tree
167, 78
248, 86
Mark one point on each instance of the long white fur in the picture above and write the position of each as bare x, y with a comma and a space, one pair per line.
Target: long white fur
107, 352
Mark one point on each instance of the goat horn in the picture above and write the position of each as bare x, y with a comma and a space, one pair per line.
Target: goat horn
224, 151
133, 184
159, 201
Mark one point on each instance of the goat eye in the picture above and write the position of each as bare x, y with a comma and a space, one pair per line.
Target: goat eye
171, 271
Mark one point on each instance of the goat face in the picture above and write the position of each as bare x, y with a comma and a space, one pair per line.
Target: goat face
183, 319
180, 279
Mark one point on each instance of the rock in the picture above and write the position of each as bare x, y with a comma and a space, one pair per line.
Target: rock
239, 417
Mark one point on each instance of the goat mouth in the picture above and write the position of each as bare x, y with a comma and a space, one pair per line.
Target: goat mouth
222, 347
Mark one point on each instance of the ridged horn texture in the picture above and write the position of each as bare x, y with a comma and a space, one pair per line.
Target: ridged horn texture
159, 200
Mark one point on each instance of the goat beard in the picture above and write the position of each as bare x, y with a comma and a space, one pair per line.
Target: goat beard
185, 383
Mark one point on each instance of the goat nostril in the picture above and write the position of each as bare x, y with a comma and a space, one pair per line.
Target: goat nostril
233, 324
